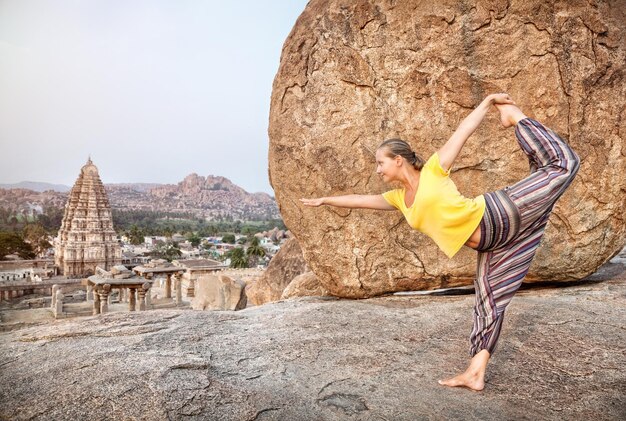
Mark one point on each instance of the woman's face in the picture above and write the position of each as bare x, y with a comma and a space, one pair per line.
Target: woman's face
386, 166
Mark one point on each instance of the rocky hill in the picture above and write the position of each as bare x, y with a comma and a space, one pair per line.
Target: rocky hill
27, 201
210, 197
36, 186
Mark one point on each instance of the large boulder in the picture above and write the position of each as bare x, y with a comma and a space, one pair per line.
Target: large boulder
219, 292
284, 266
354, 73
305, 285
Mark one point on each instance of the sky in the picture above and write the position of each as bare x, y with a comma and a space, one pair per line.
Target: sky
152, 90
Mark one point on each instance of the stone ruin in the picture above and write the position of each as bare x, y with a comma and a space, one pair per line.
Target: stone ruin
354, 73
86, 238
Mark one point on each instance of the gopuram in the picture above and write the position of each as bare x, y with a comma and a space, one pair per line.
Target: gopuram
86, 238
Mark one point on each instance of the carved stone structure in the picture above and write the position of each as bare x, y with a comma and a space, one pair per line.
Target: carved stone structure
57, 308
86, 238
160, 267
118, 278
194, 269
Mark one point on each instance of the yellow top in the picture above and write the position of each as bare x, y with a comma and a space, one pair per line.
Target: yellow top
439, 210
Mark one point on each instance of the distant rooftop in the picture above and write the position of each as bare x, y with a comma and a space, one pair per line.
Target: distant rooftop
198, 263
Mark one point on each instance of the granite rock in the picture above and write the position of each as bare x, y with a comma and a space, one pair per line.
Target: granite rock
354, 73
305, 285
284, 266
219, 292
313, 358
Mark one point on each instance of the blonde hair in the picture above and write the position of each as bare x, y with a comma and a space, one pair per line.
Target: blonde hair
398, 147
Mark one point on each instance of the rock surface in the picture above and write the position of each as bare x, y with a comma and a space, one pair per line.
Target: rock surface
354, 73
219, 292
284, 266
561, 356
305, 285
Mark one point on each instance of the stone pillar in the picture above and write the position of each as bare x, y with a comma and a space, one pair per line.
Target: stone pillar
122, 294
58, 304
89, 295
141, 297
143, 293
168, 286
179, 289
104, 298
149, 298
53, 301
131, 299
96, 300
191, 288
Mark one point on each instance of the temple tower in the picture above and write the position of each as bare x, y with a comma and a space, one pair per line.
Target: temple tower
86, 238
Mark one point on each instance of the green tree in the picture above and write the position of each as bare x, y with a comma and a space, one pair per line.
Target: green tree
13, 243
238, 258
168, 251
36, 236
51, 218
229, 238
135, 235
254, 251
194, 239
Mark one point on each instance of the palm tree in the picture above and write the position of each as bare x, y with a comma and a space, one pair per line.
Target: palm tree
194, 239
238, 258
135, 235
255, 251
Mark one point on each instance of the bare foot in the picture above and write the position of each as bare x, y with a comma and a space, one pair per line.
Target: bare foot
474, 376
471, 380
509, 114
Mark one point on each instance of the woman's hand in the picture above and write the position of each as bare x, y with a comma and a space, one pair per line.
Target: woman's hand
313, 202
502, 98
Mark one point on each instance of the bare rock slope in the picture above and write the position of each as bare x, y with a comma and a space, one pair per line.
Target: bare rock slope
354, 73
561, 356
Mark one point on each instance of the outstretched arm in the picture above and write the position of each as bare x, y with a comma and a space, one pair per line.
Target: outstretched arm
452, 148
362, 201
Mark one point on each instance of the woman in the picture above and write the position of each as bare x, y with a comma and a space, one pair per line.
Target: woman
504, 226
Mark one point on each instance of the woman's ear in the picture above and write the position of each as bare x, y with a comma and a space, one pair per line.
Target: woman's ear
398, 160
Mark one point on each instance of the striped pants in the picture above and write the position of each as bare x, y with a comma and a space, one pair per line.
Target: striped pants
513, 225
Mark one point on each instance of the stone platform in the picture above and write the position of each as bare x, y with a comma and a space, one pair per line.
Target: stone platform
562, 356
